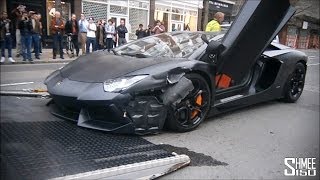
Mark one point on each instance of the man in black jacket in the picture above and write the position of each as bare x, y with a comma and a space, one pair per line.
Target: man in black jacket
25, 27
6, 31
140, 32
72, 29
121, 31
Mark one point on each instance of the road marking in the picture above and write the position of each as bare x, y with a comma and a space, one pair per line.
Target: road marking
315, 64
16, 84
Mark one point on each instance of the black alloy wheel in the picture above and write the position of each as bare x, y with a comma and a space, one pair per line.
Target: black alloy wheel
193, 109
295, 84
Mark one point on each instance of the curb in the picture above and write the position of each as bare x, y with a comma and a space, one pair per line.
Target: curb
23, 94
37, 62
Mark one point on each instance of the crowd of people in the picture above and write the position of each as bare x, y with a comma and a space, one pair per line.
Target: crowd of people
102, 34
27, 29
84, 33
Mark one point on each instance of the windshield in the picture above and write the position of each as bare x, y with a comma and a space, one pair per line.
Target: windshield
174, 44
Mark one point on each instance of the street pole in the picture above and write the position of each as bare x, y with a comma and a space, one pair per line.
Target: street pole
205, 14
151, 12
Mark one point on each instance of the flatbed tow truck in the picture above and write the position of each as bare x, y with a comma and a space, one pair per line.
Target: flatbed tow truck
37, 145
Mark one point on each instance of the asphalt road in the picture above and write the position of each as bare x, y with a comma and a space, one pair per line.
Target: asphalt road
250, 143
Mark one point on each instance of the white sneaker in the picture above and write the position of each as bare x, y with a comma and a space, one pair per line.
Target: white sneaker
11, 60
3, 59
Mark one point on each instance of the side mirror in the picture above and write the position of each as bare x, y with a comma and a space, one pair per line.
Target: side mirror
204, 38
215, 48
213, 51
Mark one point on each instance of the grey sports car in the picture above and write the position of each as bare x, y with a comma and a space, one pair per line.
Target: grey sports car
178, 79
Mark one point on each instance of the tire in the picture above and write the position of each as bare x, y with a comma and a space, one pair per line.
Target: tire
193, 109
295, 84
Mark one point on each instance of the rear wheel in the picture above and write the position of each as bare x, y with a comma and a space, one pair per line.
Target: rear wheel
295, 83
193, 109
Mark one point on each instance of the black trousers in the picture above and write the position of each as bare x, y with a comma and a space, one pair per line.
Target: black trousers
58, 42
75, 42
109, 43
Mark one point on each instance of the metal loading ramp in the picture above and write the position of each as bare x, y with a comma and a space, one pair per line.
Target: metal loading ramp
36, 145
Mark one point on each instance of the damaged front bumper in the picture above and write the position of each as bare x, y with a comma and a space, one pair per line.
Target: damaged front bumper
126, 112
140, 115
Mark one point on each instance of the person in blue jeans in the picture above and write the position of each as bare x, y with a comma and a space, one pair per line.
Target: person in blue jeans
91, 35
121, 31
6, 30
110, 32
25, 27
35, 34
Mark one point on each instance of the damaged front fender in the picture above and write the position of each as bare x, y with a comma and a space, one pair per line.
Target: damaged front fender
175, 93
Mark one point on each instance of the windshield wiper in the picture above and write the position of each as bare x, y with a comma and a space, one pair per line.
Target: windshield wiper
138, 55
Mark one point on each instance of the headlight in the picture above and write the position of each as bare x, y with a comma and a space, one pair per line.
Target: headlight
116, 85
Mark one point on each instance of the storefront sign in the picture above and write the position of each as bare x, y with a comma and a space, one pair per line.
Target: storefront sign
305, 25
216, 5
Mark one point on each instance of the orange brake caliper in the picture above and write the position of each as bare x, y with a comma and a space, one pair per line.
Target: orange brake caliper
195, 112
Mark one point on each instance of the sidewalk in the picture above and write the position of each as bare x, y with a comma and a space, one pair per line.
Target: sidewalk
45, 57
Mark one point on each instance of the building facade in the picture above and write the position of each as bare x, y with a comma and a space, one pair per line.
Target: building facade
132, 12
303, 29
174, 14
46, 8
301, 32
177, 15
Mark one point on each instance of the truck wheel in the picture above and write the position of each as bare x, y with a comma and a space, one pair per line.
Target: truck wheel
295, 83
193, 109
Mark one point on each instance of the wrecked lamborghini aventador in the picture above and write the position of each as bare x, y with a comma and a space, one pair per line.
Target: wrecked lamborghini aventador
178, 79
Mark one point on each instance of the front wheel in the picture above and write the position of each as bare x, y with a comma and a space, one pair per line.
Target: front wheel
193, 109
295, 84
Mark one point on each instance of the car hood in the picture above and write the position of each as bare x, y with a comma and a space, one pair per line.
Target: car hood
101, 66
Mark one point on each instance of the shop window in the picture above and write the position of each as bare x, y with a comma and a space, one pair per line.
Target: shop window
292, 30
118, 9
303, 39
119, 2
176, 17
163, 8
292, 36
65, 12
96, 10
191, 22
136, 17
163, 17
139, 4
177, 10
